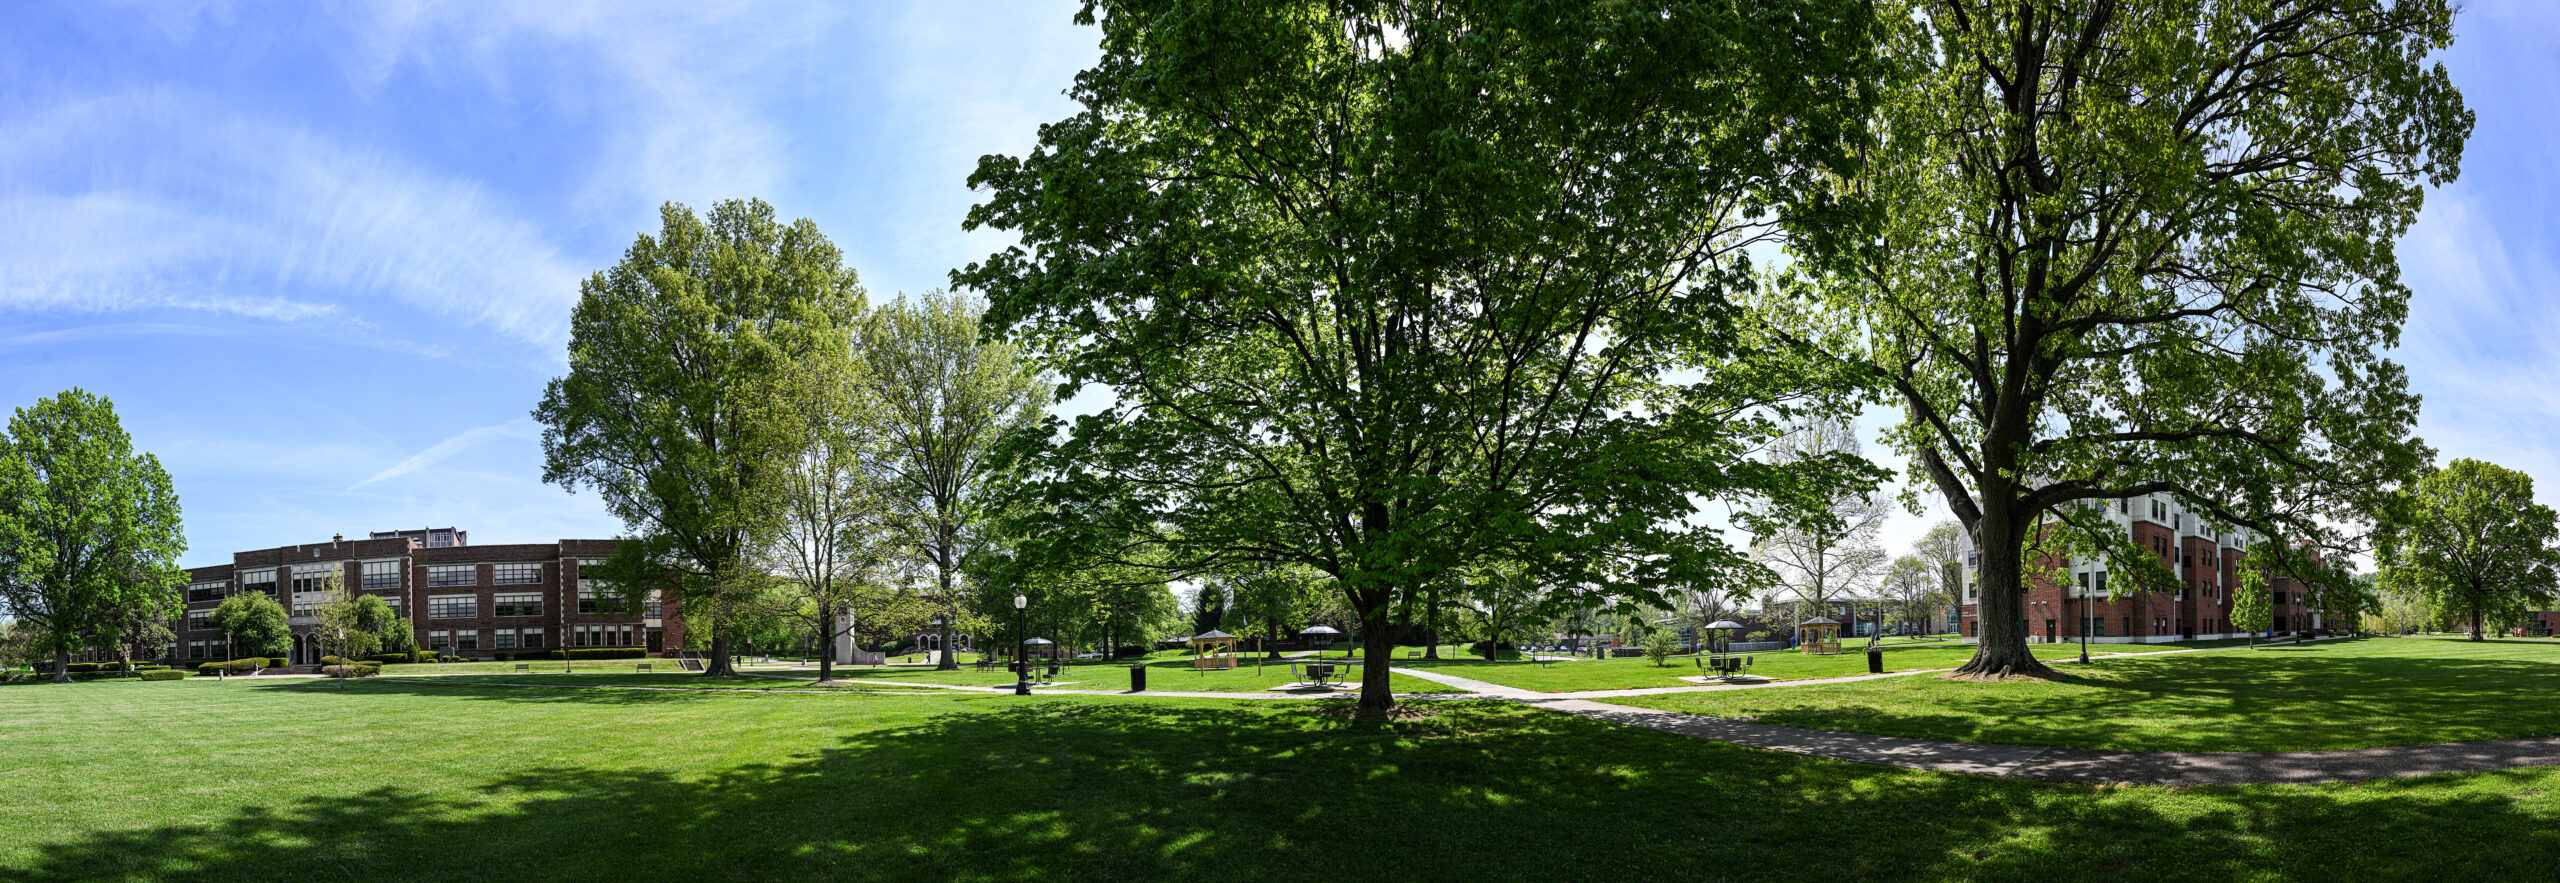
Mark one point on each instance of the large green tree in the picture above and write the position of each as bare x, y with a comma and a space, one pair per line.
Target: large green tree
943, 397
1387, 289
2124, 247
2469, 537
89, 530
674, 409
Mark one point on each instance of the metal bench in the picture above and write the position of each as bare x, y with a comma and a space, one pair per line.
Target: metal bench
1724, 665
523, 667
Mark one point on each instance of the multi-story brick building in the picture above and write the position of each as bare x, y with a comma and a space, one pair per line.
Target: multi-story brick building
473, 601
2206, 561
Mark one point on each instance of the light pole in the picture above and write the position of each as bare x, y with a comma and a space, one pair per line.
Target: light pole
1021, 644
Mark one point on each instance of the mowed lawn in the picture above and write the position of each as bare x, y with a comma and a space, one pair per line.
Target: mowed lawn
283, 780
1564, 676
2326, 695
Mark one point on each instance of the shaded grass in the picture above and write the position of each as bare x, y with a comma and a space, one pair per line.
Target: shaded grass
2359, 693
425, 780
1619, 674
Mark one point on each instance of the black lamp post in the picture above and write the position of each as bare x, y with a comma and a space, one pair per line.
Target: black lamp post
1021, 644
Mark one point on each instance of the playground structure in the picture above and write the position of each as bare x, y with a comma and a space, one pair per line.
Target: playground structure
1213, 650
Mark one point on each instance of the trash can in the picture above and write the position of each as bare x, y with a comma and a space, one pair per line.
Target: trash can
1137, 679
1875, 660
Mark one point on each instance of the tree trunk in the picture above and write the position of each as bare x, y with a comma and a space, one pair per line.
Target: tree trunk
1378, 652
2003, 626
2475, 622
950, 608
718, 666
1431, 623
61, 666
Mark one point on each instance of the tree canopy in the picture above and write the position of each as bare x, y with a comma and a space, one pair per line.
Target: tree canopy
2122, 248
2469, 537
89, 528
254, 625
673, 411
1384, 290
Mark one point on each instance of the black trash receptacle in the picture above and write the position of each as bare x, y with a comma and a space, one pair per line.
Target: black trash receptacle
1875, 661
1137, 679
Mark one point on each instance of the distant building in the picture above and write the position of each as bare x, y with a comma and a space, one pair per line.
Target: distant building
472, 601
2205, 560
429, 537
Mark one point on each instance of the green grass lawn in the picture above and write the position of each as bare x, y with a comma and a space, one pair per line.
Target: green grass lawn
1168, 674
1620, 674
2326, 695
391, 779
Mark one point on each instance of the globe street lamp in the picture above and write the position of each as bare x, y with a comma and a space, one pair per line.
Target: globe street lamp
1021, 645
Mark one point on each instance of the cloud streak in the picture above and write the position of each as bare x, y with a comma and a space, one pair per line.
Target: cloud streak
521, 428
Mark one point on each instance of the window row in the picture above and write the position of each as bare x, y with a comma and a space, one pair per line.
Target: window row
515, 574
449, 640
607, 635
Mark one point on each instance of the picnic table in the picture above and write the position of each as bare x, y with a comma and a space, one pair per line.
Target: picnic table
1725, 665
1328, 672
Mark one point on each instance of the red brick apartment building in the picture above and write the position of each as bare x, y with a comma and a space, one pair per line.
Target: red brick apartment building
2207, 563
466, 600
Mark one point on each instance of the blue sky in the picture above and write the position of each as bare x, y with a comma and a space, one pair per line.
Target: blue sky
322, 256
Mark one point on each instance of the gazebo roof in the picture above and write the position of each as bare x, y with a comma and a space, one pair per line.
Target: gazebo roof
1724, 624
1212, 635
1820, 620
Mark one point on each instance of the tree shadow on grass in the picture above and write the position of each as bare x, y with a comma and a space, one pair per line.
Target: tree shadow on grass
2202, 702
1085, 790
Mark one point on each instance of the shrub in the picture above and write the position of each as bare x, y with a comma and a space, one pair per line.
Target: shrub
278, 662
1477, 648
163, 674
334, 660
358, 670
237, 666
390, 657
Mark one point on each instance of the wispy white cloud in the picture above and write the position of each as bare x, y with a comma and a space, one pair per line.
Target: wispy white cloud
223, 209
519, 429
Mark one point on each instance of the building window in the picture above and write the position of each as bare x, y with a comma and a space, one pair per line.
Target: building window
382, 574
195, 649
651, 608
603, 635
452, 607
393, 601
310, 577
258, 581
440, 639
453, 575
506, 640
533, 638
515, 574
204, 592
199, 620
305, 605
466, 639
598, 599
524, 604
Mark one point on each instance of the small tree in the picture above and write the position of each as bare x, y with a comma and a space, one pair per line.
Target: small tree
2251, 610
1659, 646
350, 625
1914, 586
254, 623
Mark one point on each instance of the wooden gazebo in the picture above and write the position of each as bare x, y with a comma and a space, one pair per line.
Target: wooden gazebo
1214, 650
1821, 636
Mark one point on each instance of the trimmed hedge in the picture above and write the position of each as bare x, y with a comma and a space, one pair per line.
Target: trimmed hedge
361, 670
164, 675
237, 666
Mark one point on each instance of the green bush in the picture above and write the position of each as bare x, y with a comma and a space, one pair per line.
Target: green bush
237, 666
390, 657
164, 675
358, 670
278, 662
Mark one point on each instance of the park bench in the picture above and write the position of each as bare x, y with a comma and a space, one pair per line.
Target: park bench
523, 667
641, 667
